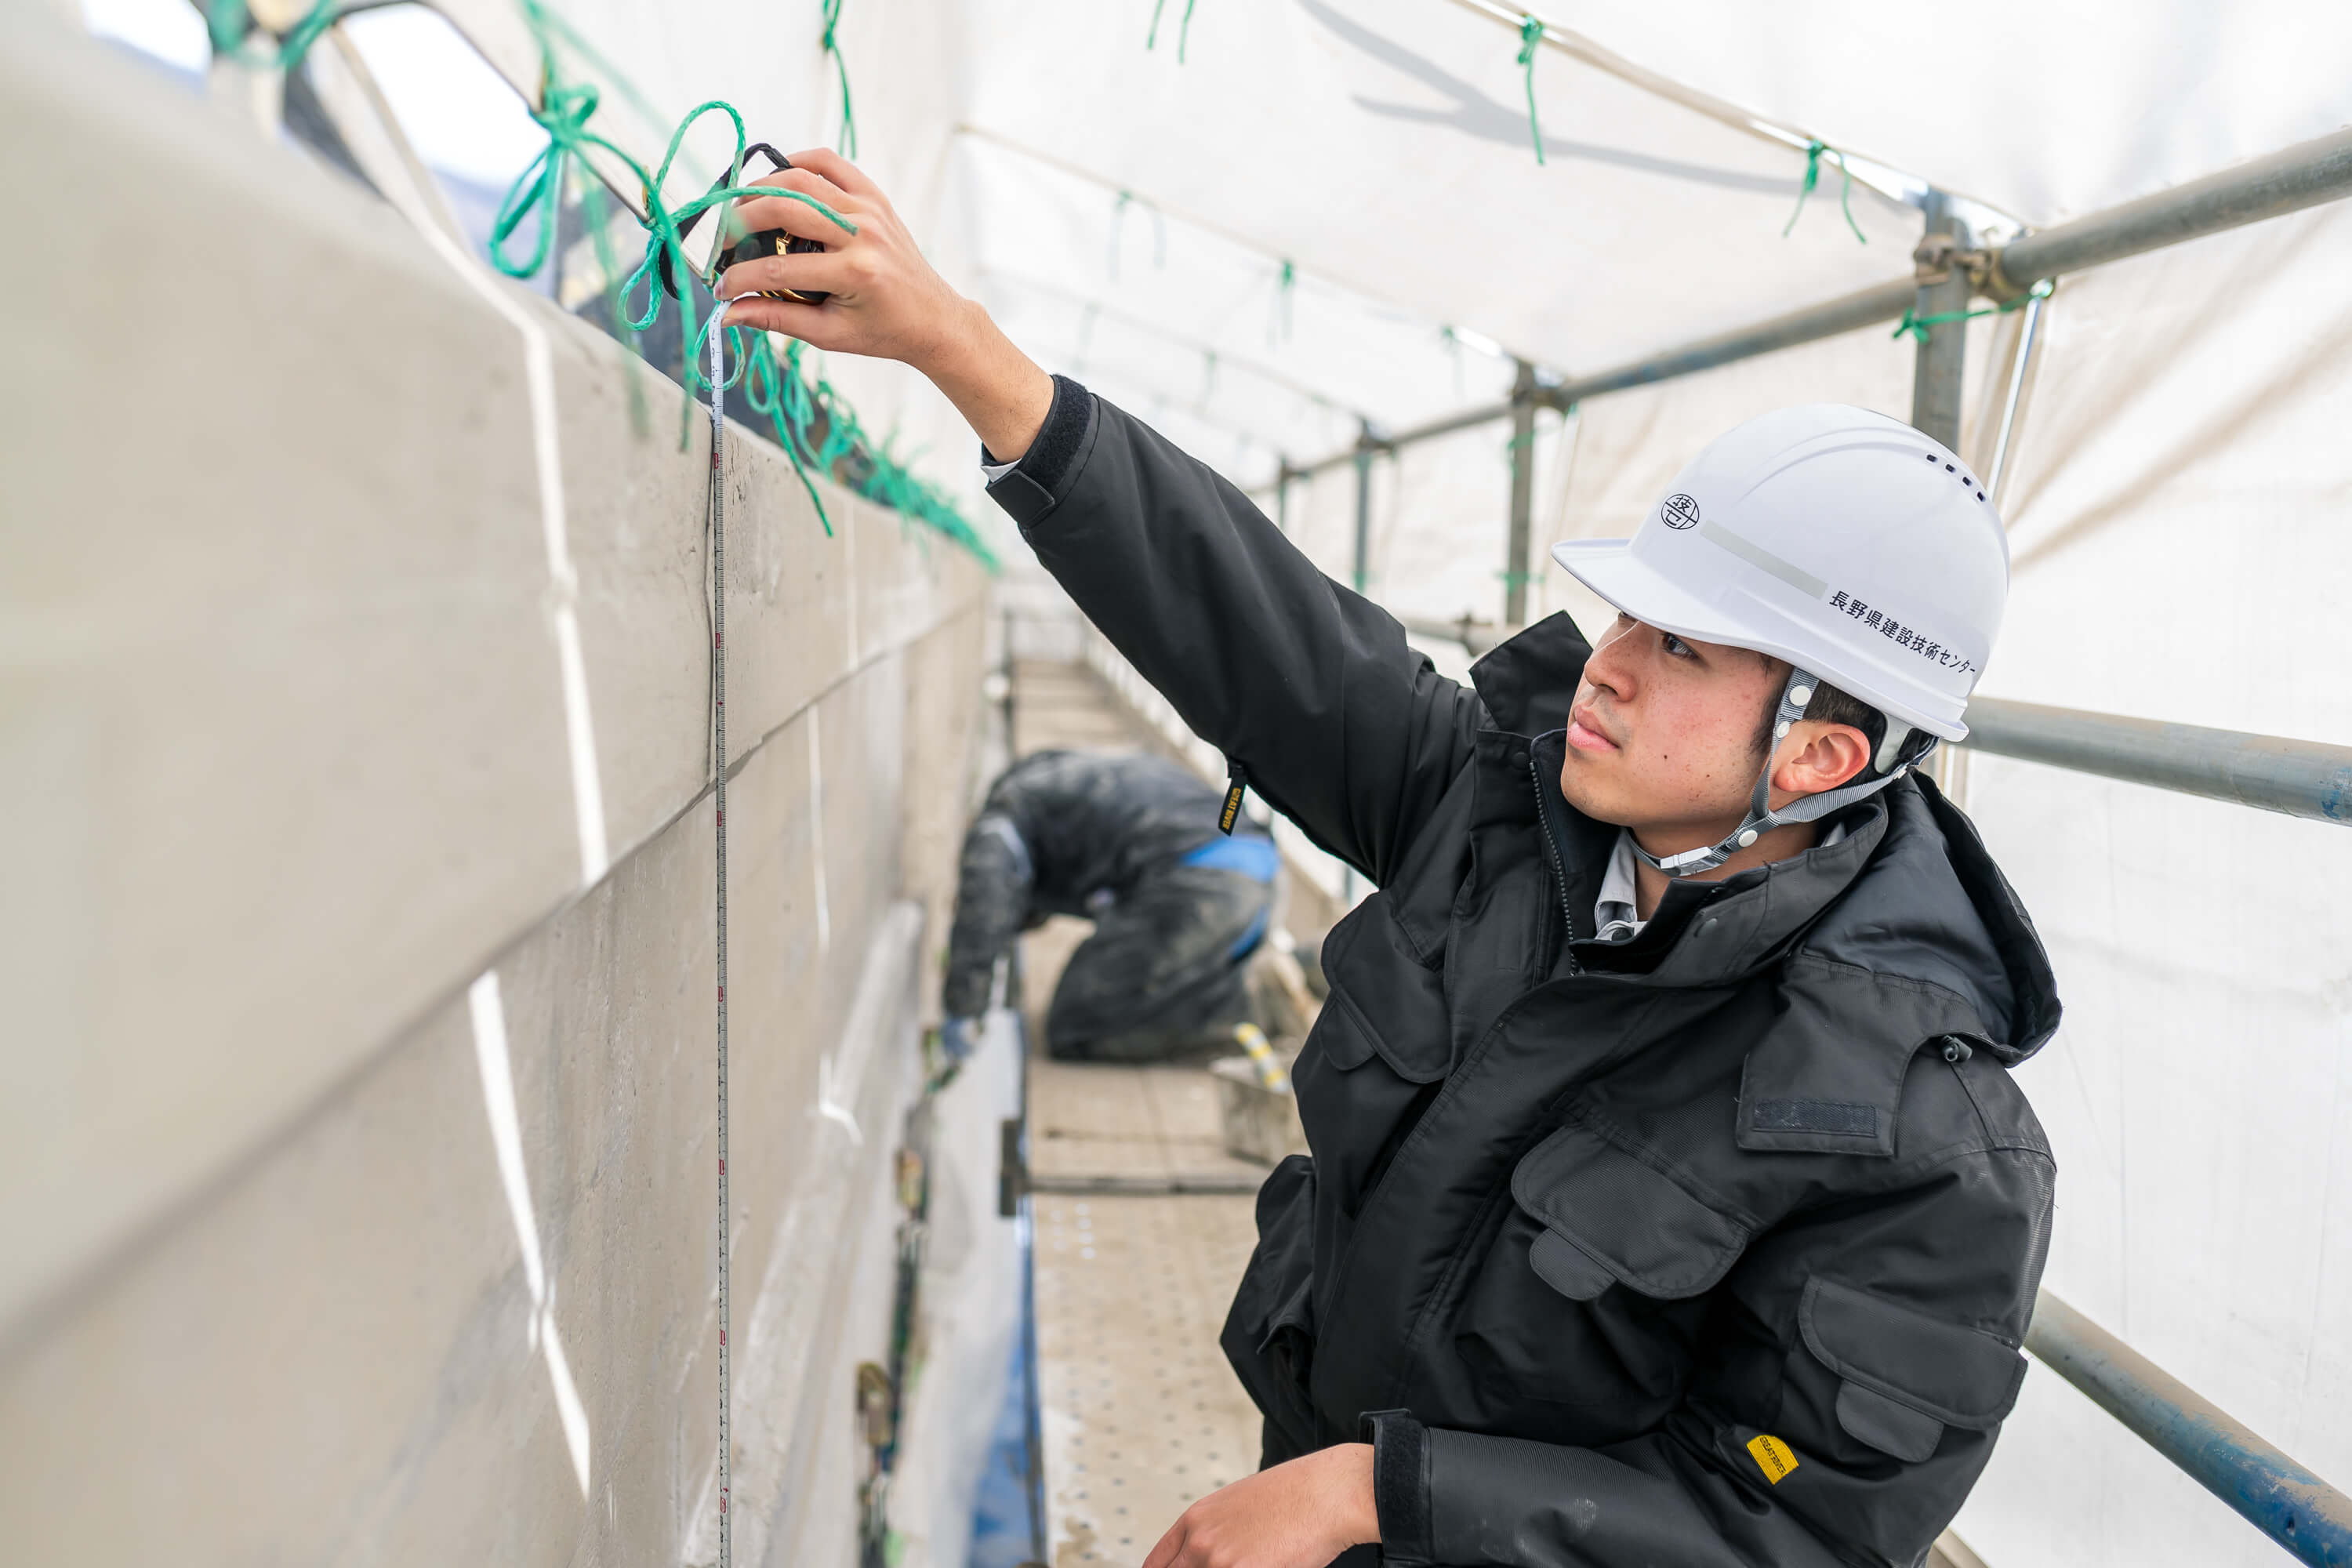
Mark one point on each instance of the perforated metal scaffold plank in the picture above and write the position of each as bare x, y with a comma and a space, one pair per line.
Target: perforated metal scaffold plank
1098, 1123
1141, 1413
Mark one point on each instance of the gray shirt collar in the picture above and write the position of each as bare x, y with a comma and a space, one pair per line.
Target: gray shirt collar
1612, 912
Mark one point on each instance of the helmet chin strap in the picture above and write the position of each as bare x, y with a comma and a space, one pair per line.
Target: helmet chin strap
1761, 819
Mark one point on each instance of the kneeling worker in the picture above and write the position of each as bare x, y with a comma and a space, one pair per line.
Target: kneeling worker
1132, 844
1671, 1200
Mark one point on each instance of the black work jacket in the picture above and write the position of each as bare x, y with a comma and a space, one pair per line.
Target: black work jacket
1082, 823
1714, 1248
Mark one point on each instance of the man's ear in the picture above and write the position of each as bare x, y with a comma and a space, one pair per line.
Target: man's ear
1819, 756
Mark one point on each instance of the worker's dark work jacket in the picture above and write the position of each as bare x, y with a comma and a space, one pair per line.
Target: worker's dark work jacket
1713, 1248
1131, 843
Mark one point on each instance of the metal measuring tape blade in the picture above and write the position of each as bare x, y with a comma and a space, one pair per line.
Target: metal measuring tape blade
717, 514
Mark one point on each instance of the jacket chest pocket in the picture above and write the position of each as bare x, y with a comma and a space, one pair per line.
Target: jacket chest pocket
1588, 1305
1375, 1056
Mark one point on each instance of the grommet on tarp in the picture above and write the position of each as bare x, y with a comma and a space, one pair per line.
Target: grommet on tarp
751, 248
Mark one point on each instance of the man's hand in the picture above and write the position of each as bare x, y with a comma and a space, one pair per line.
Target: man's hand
887, 301
1296, 1515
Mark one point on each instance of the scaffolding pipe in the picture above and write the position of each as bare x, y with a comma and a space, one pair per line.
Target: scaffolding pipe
2297, 778
1523, 494
1848, 312
1365, 446
1475, 637
2286, 1503
1939, 368
2303, 176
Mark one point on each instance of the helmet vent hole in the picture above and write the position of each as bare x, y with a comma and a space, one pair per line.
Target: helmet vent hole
1947, 467
1980, 495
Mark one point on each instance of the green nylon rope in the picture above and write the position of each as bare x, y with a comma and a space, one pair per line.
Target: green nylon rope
1531, 34
781, 393
1285, 284
795, 410
1814, 151
1183, 31
847, 139
1919, 327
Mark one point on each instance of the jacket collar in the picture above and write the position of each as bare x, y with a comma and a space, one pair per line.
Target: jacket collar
1529, 683
1702, 932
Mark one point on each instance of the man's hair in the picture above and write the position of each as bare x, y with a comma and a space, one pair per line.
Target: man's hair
1831, 706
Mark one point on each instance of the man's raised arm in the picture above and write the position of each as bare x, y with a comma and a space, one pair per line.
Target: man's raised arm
1309, 690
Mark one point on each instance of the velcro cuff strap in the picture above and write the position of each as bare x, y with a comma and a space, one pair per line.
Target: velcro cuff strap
1033, 488
1400, 1485
1023, 498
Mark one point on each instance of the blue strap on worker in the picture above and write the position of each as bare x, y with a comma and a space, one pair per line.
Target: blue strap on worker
1252, 855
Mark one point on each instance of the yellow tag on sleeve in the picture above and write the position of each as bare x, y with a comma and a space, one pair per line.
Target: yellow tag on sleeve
1772, 1456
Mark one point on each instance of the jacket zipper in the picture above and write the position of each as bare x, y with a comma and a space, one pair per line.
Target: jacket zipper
1559, 868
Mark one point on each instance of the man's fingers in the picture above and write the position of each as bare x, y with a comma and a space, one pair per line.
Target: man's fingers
811, 272
839, 170
757, 212
810, 324
1169, 1545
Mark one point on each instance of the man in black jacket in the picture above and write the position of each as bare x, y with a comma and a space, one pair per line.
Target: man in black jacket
1131, 843
1670, 1199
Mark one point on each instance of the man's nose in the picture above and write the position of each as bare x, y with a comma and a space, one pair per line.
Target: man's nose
1611, 665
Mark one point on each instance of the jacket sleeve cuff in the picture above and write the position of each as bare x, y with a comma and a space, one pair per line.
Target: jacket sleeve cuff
1036, 484
1400, 1485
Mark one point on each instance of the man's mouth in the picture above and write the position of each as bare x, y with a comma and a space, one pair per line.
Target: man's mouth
1584, 732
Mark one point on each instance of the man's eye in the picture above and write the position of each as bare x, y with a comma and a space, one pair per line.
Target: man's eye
1675, 646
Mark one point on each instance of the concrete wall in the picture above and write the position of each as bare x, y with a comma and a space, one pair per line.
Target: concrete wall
356, 1158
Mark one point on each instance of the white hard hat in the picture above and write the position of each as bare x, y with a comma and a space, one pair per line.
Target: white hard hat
1841, 541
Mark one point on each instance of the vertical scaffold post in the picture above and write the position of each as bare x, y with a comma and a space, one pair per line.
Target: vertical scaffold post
1523, 495
1365, 446
1009, 668
1944, 288
1282, 477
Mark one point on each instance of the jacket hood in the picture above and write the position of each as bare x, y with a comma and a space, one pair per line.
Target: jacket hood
1910, 893
1933, 906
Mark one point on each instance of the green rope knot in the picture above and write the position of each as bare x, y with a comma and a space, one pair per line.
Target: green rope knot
814, 425
563, 114
1814, 151
1531, 35
1917, 326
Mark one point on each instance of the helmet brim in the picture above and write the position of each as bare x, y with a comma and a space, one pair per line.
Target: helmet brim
1609, 567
